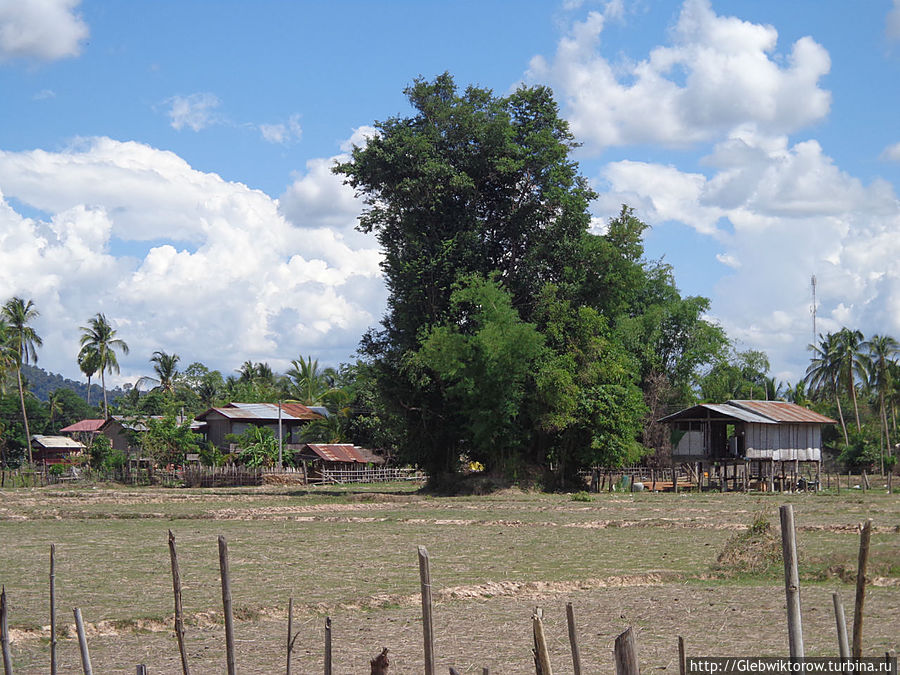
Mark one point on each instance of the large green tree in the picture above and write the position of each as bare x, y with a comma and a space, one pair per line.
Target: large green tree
100, 337
18, 314
470, 183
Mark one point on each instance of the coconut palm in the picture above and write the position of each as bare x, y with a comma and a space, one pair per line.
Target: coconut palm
98, 336
308, 384
166, 368
18, 313
823, 372
853, 363
89, 363
882, 352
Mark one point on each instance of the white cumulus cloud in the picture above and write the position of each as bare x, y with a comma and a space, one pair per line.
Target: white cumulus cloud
719, 73
891, 153
282, 132
179, 259
791, 214
196, 111
46, 30
892, 23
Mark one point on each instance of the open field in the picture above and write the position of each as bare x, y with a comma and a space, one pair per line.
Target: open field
647, 560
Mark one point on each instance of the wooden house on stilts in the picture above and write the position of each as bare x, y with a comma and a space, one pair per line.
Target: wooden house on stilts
765, 445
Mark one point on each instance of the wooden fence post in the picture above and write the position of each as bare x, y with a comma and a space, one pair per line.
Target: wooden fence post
626, 654
682, 664
791, 581
290, 641
427, 625
179, 610
541, 657
82, 644
843, 644
4, 633
52, 609
573, 639
327, 645
226, 606
863, 561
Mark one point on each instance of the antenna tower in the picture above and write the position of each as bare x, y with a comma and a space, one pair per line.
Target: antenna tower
812, 309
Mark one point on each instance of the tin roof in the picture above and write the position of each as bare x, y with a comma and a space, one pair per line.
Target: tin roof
781, 411
757, 412
702, 411
343, 452
263, 412
56, 442
83, 425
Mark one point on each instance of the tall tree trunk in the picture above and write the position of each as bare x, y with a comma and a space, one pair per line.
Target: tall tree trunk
103, 386
24, 414
89, 390
855, 406
837, 398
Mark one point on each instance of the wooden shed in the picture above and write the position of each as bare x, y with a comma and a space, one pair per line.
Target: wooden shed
322, 460
765, 441
49, 450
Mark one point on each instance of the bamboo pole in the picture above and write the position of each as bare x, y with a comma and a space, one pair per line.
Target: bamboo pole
541, 656
4, 633
573, 639
791, 581
327, 645
427, 625
865, 538
82, 644
843, 644
226, 606
626, 654
53, 664
179, 610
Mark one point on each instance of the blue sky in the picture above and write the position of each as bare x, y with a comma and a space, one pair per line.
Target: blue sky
168, 163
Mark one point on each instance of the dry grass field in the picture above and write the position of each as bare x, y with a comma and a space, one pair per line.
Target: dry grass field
645, 560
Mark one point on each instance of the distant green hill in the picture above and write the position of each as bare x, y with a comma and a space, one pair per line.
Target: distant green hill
41, 384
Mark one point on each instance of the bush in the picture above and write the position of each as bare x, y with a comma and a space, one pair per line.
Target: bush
57, 469
755, 550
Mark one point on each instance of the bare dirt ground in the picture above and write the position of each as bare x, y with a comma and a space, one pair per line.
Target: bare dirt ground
644, 560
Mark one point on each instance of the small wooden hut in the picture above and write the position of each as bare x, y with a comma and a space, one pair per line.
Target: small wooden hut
763, 442
322, 460
49, 450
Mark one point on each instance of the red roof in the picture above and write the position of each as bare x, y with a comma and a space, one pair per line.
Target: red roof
83, 425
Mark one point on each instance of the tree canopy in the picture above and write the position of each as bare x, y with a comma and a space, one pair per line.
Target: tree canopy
513, 333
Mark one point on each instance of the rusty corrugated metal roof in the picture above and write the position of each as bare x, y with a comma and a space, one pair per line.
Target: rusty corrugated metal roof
759, 412
782, 411
83, 425
263, 412
343, 452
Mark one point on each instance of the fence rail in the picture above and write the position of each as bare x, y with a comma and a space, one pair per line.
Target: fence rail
380, 474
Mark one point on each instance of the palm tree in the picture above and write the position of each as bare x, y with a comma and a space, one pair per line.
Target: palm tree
89, 363
823, 371
100, 337
853, 364
166, 368
18, 314
882, 352
308, 384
